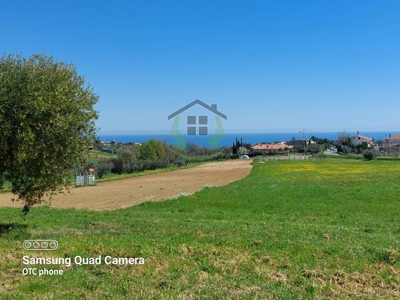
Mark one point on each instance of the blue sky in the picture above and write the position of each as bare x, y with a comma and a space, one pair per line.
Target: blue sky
271, 66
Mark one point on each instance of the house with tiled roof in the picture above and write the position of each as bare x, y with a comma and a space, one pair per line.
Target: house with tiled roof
393, 140
359, 139
260, 148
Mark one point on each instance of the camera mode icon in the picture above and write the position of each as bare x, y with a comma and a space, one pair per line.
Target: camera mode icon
40, 245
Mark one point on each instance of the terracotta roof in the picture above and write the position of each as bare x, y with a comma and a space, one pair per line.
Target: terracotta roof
363, 137
394, 137
271, 147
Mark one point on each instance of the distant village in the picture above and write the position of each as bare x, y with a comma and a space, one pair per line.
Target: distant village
345, 144
198, 125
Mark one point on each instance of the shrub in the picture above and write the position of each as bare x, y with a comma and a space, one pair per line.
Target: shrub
118, 166
103, 167
369, 154
179, 162
345, 149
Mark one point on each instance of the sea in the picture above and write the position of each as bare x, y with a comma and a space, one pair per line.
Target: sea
229, 138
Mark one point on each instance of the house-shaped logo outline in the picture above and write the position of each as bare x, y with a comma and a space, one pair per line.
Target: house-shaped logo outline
212, 108
214, 139
203, 120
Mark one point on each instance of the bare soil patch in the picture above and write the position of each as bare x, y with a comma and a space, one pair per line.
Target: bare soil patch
156, 187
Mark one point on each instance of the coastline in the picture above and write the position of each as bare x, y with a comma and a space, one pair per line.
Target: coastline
229, 138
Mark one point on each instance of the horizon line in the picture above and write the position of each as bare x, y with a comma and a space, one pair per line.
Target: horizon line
250, 132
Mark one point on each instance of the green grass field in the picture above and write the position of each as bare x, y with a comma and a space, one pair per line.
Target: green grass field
317, 229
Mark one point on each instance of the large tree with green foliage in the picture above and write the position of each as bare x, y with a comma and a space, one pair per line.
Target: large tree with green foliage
153, 150
344, 143
46, 124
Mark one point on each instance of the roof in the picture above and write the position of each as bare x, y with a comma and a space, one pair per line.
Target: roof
393, 145
394, 137
271, 147
212, 108
363, 137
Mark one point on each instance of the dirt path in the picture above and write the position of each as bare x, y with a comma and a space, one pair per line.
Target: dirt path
127, 192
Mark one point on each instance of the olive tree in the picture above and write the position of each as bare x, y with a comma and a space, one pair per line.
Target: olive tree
343, 143
46, 124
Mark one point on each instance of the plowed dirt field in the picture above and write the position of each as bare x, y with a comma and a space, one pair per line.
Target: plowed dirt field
156, 187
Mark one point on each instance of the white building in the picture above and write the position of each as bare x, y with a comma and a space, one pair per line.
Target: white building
359, 139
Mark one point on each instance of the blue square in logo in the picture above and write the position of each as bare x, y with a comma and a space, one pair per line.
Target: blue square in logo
191, 130
203, 120
191, 120
203, 130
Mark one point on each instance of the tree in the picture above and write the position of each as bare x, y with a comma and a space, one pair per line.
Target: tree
117, 165
191, 148
370, 154
46, 124
313, 148
158, 149
103, 167
169, 156
343, 143
153, 150
128, 156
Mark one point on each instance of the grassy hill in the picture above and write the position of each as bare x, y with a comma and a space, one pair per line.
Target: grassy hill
291, 229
